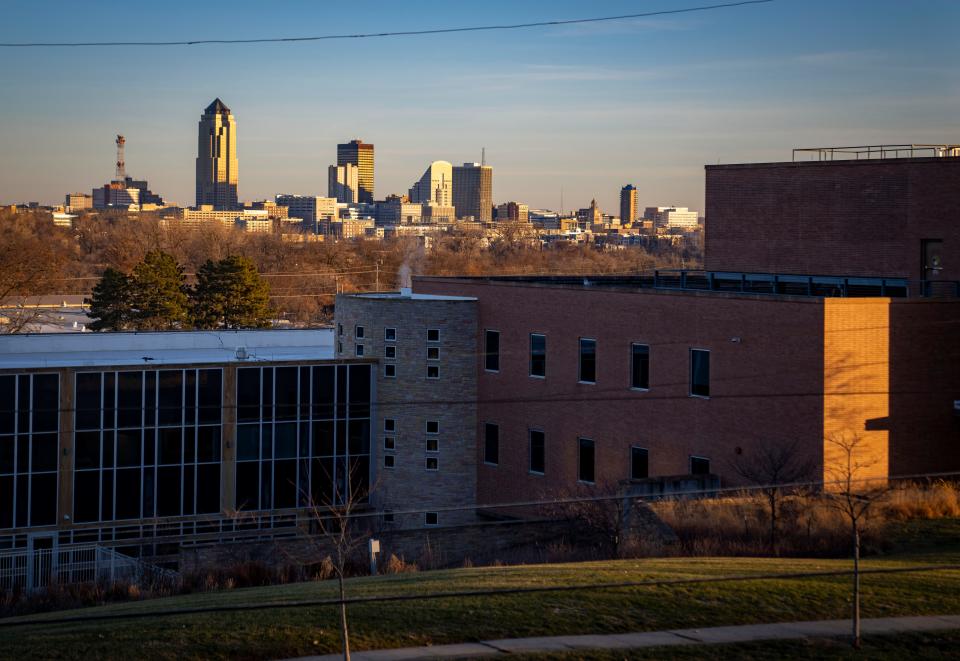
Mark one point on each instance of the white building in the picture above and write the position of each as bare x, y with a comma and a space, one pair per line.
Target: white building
436, 185
310, 208
343, 183
676, 217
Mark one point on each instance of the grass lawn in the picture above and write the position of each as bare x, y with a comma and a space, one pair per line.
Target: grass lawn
299, 631
929, 645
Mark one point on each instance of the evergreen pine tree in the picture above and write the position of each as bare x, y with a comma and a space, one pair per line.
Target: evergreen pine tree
230, 294
158, 293
110, 303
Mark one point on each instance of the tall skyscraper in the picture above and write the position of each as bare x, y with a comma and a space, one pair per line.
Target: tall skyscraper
628, 203
473, 191
217, 157
435, 185
360, 154
343, 183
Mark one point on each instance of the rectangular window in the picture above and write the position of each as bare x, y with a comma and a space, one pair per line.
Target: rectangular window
433, 426
639, 468
491, 351
538, 355
699, 466
390, 371
433, 335
699, 372
491, 444
358, 332
431, 519
433, 463
433, 353
433, 445
433, 372
390, 352
388, 516
389, 442
388, 461
339, 347
588, 360
640, 366
339, 329
389, 425
537, 451
390, 334
585, 461
359, 350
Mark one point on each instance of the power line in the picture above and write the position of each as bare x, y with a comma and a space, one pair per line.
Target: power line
402, 33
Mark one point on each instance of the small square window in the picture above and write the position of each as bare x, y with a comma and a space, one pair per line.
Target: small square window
433, 353
699, 466
431, 519
433, 371
433, 445
388, 516
389, 425
390, 352
433, 335
433, 426
389, 442
390, 371
389, 461
433, 464
358, 332
390, 334
359, 350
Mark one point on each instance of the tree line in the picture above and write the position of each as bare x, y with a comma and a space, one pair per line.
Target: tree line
229, 293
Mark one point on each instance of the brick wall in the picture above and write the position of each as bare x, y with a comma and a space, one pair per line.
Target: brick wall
844, 218
411, 399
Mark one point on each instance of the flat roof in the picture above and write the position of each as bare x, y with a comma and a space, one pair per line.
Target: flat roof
410, 296
839, 162
106, 349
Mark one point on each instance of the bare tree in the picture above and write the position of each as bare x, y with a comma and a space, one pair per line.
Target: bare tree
851, 488
772, 467
602, 511
341, 530
29, 265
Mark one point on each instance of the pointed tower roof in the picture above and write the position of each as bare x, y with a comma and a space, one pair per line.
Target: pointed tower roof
217, 108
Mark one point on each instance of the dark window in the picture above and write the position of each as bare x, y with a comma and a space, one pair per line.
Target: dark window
538, 354
491, 351
491, 443
359, 350
388, 461
537, 451
390, 352
588, 361
433, 464
433, 372
8, 404
389, 424
390, 371
700, 372
433, 445
45, 402
585, 463
433, 426
433, 335
359, 332
433, 353
287, 397
431, 518
88, 400
639, 366
129, 399
389, 442
638, 464
390, 334
339, 329
699, 466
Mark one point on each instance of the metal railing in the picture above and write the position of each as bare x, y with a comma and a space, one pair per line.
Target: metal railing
34, 569
866, 152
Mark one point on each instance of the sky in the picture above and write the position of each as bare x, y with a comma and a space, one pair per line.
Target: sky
577, 111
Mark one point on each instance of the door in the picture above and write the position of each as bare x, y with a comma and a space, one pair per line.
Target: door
41, 560
932, 253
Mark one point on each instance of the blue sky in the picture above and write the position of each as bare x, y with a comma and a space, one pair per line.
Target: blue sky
586, 107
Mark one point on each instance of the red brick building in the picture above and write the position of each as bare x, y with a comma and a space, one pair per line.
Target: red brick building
605, 379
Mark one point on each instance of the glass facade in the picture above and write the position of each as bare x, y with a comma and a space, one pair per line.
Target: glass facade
303, 435
147, 444
29, 424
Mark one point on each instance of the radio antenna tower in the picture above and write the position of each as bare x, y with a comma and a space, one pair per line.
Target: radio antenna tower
483, 156
121, 167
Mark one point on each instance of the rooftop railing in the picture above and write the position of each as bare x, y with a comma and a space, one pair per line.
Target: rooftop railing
868, 152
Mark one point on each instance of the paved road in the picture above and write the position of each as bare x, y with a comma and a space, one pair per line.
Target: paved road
738, 634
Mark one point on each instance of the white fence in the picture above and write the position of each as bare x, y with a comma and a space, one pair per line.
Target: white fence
34, 569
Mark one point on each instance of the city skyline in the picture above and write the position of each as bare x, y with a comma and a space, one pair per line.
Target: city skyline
585, 109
